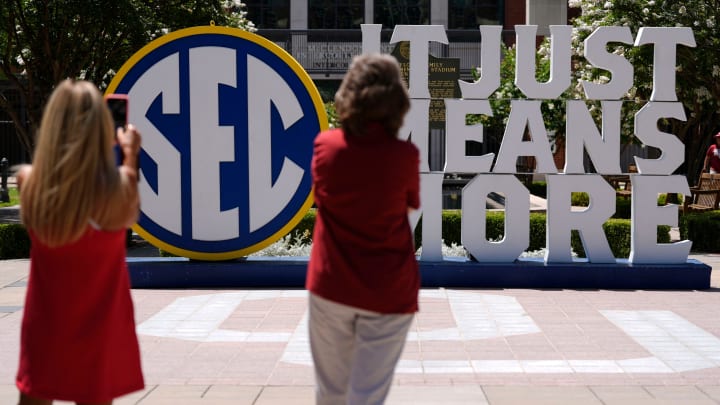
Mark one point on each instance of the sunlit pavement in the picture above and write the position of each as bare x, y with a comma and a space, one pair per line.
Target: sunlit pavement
471, 346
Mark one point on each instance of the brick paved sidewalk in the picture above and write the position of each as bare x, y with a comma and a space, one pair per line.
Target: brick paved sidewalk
479, 346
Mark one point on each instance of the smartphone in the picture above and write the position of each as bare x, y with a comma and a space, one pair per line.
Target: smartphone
118, 105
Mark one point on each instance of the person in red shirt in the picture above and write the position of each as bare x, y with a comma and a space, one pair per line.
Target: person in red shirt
712, 158
78, 340
363, 276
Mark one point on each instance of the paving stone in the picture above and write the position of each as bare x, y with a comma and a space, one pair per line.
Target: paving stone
494, 346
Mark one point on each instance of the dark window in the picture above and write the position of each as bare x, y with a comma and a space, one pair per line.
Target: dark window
340, 14
469, 14
390, 13
269, 14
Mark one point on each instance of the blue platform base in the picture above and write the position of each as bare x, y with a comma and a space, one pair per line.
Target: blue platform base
281, 272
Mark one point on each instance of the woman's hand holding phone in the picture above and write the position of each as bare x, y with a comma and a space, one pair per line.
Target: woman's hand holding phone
129, 140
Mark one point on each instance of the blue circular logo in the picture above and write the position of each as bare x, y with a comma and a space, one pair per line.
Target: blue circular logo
228, 120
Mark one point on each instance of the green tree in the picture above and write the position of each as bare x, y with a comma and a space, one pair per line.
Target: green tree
697, 72
45, 41
553, 111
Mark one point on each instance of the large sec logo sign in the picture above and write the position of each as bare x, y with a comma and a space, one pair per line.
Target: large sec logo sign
228, 120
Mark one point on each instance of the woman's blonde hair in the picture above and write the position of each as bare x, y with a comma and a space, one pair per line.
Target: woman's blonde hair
74, 173
372, 91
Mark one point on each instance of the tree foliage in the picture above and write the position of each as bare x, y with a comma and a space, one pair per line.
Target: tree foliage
697, 71
45, 41
553, 111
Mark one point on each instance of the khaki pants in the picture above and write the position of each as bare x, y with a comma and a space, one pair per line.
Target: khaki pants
355, 351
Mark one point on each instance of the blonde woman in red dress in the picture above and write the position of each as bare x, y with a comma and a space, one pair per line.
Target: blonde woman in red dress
78, 340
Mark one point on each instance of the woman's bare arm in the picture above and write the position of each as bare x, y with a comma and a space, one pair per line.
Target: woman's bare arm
123, 208
23, 172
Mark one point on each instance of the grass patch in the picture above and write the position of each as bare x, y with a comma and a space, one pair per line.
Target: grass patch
14, 197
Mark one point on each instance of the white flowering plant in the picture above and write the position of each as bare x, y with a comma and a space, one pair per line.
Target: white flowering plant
301, 245
553, 110
237, 15
697, 69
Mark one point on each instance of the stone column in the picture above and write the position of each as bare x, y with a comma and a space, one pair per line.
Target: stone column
544, 13
298, 15
298, 41
439, 12
369, 12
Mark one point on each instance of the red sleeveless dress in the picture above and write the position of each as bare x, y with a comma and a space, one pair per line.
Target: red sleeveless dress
78, 340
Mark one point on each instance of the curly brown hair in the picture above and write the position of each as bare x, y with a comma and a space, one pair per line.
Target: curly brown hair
372, 91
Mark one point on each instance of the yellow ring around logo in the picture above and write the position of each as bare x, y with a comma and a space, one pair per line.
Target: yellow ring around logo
301, 74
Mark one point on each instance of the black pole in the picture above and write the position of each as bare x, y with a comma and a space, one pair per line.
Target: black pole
4, 195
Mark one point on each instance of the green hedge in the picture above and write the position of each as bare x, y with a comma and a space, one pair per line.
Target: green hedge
538, 188
581, 199
495, 228
703, 229
14, 198
14, 242
617, 231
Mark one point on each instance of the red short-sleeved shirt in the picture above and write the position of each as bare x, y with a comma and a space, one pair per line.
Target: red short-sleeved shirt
363, 252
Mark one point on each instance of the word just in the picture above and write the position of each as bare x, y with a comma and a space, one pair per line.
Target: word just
495, 174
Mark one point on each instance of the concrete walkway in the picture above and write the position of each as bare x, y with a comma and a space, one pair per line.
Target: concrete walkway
480, 346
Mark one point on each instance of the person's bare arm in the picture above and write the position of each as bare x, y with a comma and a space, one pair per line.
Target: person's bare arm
23, 172
124, 207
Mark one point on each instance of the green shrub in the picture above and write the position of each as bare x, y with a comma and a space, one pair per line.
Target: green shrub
305, 227
451, 227
580, 199
538, 188
676, 198
703, 229
14, 198
538, 231
165, 253
494, 225
623, 208
332, 116
617, 232
14, 242
494, 228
